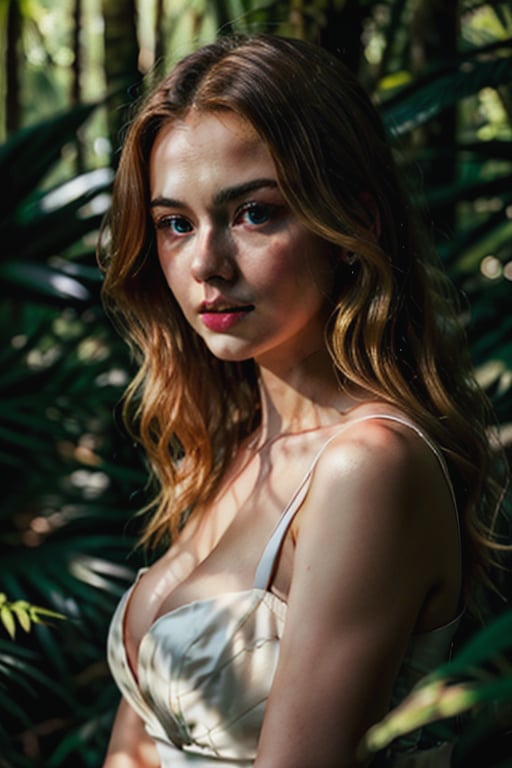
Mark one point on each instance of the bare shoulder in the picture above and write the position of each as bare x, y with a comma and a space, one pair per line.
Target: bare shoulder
372, 565
379, 511
381, 455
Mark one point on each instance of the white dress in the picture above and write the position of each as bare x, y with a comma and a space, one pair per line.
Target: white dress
205, 669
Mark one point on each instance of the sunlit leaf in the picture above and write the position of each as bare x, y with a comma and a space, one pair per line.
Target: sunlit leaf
35, 149
420, 102
44, 281
22, 611
7, 620
479, 674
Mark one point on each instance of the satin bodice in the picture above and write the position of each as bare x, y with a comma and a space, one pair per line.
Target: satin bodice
205, 669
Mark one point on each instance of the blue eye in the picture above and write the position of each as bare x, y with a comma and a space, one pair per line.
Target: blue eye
256, 214
177, 224
180, 225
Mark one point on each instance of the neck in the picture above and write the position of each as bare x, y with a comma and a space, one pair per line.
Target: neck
303, 397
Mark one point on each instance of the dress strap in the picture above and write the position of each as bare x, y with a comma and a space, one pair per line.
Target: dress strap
265, 569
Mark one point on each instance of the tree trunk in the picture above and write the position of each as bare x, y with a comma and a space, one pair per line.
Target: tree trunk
76, 76
434, 36
4, 14
121, 59
159, 38
342, 32
13, 117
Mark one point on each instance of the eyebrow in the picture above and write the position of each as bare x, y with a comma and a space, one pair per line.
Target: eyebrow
222, 197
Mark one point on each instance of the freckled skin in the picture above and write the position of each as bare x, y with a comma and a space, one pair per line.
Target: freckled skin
245, 249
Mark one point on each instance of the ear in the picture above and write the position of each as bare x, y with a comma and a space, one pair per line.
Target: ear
373, 213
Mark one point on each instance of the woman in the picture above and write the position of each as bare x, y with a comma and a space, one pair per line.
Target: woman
302, 399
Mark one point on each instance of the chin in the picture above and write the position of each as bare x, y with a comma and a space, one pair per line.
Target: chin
227, 354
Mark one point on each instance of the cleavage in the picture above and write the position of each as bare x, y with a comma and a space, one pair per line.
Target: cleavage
220, 552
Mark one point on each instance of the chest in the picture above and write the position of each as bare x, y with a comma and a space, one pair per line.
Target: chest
218, 553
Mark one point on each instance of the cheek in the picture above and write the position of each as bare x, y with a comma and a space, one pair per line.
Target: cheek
170, 276
169, 271
303, 267
274, 265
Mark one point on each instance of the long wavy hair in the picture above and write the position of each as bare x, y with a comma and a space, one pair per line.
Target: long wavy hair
393, 330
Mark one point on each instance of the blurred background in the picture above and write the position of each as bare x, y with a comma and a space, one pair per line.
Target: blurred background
441, 73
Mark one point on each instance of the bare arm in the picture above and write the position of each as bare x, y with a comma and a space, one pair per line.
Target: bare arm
374, 541
130, 746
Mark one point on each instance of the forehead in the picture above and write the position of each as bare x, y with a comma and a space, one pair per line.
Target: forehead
202, 144
199, 126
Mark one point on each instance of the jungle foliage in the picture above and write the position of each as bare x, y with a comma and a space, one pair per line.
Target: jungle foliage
441, 72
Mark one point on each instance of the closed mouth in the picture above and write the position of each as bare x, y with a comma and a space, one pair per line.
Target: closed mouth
219, 310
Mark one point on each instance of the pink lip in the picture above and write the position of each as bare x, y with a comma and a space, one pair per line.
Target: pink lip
223, 321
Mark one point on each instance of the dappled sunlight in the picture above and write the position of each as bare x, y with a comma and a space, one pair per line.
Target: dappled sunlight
97, 572
85, 183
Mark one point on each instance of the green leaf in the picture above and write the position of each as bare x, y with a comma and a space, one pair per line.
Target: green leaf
28, 155
37, 613
485, 645
44, 282
8, 620
23, 611
460, 685
419, 103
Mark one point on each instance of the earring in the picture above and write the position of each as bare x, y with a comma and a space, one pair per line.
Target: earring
352, 262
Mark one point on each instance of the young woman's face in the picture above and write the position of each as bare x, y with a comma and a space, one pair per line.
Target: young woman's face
250, 279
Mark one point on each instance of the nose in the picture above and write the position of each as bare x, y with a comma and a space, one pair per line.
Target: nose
213, 257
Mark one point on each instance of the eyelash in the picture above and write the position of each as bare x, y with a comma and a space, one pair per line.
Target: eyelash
167, 222
252, 207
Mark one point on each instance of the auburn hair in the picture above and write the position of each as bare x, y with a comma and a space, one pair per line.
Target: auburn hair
394, 328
